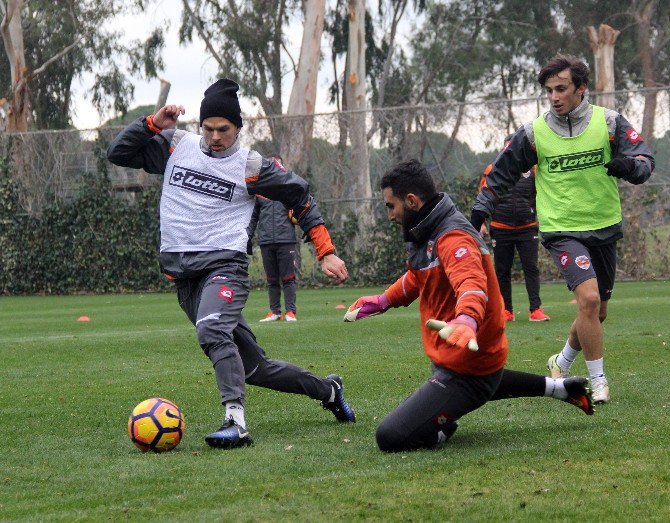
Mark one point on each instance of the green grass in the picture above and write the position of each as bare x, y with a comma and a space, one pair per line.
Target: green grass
66, 389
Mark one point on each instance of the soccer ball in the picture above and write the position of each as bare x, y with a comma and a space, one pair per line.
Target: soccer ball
156, 424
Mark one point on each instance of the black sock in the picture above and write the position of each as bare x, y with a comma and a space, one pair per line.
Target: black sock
516, 384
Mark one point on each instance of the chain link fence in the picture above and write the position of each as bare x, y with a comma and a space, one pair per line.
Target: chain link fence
454, 140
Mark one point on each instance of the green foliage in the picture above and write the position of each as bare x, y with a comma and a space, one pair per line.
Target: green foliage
68, 387
375, 257
94, 243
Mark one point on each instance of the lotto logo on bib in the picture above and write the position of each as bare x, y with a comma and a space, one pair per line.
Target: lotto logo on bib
226, 293
575, 161
201, 183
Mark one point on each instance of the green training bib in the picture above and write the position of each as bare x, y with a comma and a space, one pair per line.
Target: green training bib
574, 192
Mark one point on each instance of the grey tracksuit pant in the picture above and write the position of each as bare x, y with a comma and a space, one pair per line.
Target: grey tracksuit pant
214, 303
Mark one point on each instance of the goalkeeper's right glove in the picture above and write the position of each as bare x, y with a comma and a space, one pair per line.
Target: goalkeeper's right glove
367, 306
460, 332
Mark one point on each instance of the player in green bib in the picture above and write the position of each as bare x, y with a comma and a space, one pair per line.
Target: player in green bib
580, 150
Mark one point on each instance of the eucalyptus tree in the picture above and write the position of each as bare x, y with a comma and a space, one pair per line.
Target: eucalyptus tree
49, 45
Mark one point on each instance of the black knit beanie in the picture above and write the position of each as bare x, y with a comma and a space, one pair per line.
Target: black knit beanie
221, 100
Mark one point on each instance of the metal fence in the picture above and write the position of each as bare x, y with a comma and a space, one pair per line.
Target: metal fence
455, 140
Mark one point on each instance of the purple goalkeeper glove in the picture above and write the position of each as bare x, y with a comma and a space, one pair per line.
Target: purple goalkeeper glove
461, 332
367, 306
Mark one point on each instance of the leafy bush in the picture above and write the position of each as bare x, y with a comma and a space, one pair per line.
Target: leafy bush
95, 242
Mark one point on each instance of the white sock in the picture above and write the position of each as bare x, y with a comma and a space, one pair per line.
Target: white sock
332, 395
596, 370
235, 410
555, 388
567, 356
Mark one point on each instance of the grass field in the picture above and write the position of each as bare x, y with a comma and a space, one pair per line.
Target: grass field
67, 387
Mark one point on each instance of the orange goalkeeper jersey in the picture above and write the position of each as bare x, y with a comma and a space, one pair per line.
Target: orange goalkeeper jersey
451, 272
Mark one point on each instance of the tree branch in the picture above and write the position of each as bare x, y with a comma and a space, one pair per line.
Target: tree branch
295, 67
55, 57
201, 31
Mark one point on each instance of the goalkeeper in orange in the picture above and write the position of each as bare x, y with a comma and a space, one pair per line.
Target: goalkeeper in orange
451, 272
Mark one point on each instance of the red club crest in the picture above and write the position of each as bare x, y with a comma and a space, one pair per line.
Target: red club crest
583, 262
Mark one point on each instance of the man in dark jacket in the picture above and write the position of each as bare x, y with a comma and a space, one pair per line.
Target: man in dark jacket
277, 241
209, 185
514, 226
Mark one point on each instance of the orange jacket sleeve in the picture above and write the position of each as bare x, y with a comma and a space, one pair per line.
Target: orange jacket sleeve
461, 260
322, 242
403, 291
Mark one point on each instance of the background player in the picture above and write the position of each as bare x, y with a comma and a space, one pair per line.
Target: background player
513, 227
277, 241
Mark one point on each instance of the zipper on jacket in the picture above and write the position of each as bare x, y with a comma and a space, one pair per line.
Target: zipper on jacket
569, 124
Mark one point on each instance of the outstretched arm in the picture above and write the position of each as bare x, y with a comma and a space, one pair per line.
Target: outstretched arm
403, 292
273, 181
516, 158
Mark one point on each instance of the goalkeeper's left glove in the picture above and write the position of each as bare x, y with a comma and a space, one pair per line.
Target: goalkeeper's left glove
460, 332
621, 167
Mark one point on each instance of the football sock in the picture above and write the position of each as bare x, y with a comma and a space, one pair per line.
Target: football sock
567, 356
596, 370
517, 384
332, 395
235, 410
555, 388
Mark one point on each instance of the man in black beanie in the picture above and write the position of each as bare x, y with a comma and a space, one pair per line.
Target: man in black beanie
209, 188
221, 100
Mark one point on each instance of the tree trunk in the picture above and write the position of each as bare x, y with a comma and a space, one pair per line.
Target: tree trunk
602, 44
12, 36
355, 86
398, 10
162, 94
295, 143
644, 18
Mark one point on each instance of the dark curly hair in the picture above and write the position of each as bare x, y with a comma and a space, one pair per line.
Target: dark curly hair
409, 177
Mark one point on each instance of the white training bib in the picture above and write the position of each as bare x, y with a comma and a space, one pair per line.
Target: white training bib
205, 205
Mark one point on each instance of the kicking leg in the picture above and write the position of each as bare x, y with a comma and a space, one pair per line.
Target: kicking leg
285, 377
